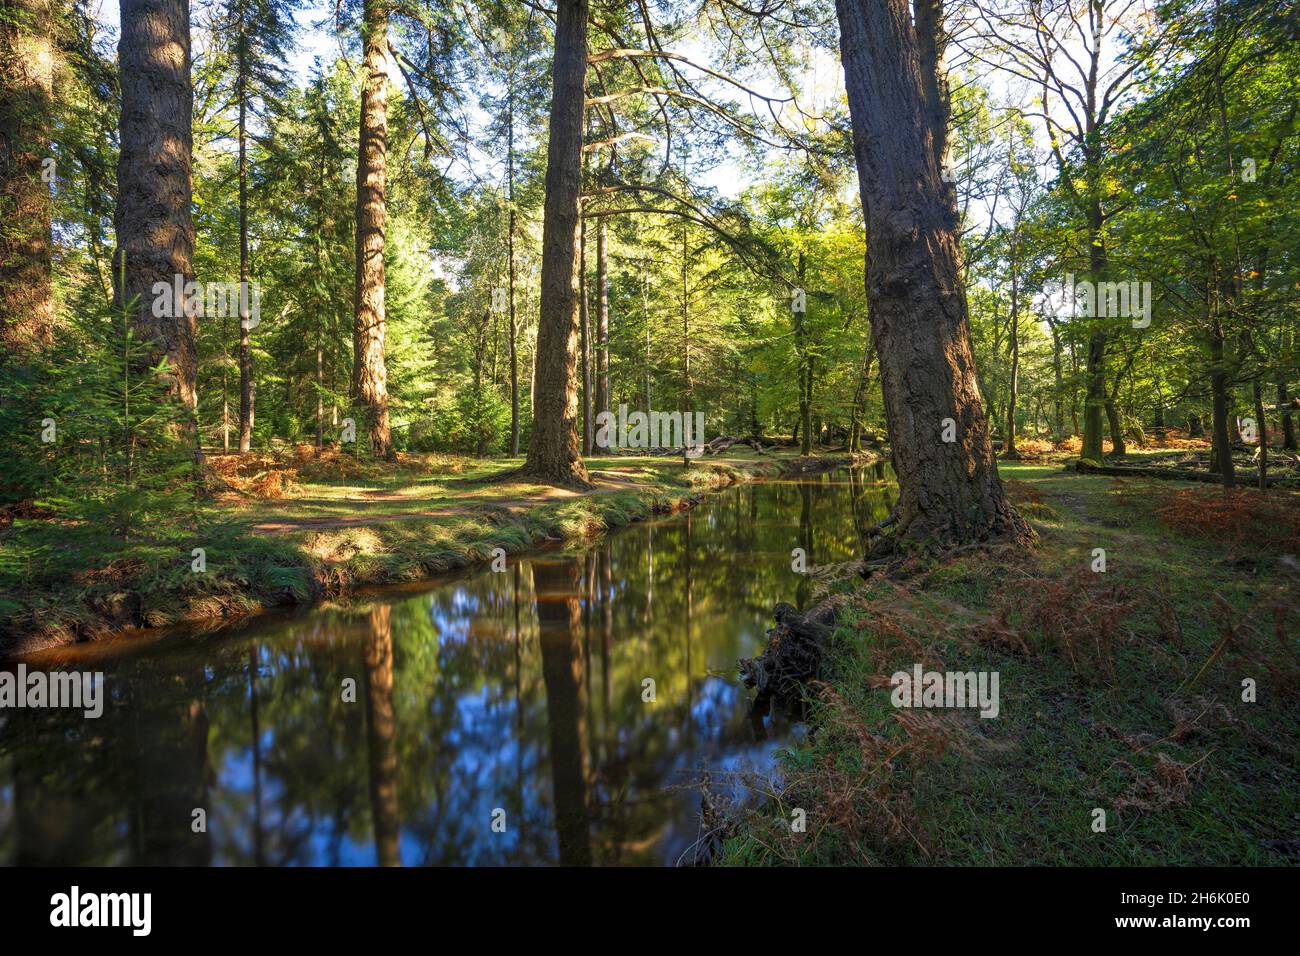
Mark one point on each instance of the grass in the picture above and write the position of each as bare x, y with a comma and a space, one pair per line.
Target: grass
287, 528
1119, 691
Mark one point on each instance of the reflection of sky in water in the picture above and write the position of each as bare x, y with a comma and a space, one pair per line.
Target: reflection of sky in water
457, 712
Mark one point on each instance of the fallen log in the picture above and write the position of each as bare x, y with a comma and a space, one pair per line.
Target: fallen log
1174, 473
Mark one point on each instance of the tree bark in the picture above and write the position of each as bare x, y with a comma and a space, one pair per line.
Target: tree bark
1095, 400
602, 318
510, 244
801, 350
860, 399
26, 105
553, 451
931, 42
369, 372
153, 222
1058, 412
1014, 388
245, 347
1221, 447
949, 492
1258, 395
584, 332
1288, 424
1118, 447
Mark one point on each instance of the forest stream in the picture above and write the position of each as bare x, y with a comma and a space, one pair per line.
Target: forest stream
485, 718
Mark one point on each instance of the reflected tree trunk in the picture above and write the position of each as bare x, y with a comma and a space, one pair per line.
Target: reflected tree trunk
170, 751
559, 616
381, 735
255, 728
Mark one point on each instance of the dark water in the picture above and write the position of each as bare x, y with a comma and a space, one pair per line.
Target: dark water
518, 691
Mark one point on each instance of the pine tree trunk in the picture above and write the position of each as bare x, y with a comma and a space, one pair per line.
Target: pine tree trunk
26, 104
245, 348
584, 326
949, 492
553, 450
369, 373
510, 245
1058, 412
155, 230
602, 318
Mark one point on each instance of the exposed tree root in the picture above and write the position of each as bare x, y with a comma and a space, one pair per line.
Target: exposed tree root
792, 657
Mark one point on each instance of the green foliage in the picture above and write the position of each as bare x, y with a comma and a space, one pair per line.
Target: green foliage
475, 421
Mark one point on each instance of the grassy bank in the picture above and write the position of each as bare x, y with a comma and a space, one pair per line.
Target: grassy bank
1120, 691
282, 529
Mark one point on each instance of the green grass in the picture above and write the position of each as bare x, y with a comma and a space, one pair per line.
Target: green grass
371, 524
1186, 771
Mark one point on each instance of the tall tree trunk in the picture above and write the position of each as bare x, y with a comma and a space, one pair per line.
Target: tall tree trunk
553, 451
1288, 429
1221, 446
245, 348
320, 394
584, 329
1117, 445
602, 318
801, 350
26, 105
1058, 413
688, 388
645, 312
860, 399
510, 270
1258, 395
1010, 451
369, 373
154, 226
1095, 400
949, 492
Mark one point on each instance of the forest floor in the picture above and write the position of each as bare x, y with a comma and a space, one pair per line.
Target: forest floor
1120, 692
291, 526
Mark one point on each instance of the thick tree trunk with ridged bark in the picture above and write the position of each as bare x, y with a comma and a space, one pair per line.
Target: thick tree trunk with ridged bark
553, 449
949, 490
154, 225
369, 372
26, 89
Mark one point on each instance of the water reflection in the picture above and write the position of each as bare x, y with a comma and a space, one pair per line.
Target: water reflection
515, 697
